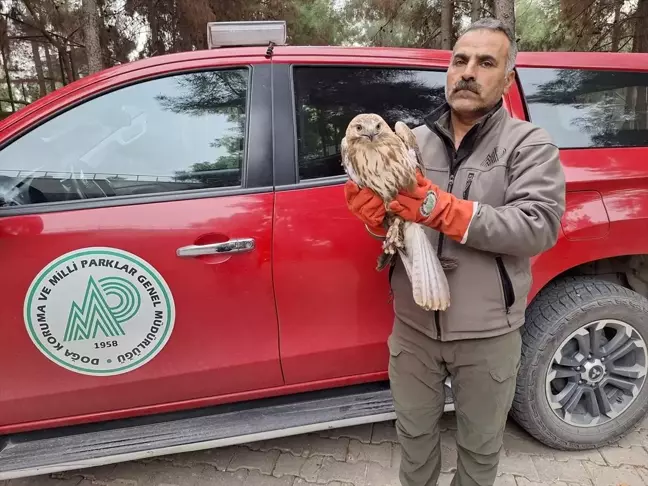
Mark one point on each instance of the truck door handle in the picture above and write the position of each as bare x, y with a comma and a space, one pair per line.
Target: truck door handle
231, 246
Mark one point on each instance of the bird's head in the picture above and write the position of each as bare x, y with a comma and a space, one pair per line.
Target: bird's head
367, 126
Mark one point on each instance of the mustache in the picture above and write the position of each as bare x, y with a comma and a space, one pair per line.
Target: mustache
467, 85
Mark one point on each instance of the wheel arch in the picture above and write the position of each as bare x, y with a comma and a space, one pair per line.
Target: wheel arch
601, 258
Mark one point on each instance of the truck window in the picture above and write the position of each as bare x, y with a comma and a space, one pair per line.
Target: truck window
587, 108
327, 98
175, 133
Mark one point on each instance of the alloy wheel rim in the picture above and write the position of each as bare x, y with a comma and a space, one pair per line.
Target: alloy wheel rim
597, 373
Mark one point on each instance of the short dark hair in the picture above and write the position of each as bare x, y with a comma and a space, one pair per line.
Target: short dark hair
498, 26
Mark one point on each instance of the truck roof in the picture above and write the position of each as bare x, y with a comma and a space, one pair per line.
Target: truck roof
556, 59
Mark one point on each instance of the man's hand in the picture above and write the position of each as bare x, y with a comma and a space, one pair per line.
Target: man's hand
430, 206
416, 206
367, 206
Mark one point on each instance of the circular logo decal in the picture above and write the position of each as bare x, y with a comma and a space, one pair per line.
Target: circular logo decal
99, 311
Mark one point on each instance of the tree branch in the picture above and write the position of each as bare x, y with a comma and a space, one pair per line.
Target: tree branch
610, 28
626, 43
46, 33
560, 25
18, 102
585, 24
601, 48
389, 21
437, 32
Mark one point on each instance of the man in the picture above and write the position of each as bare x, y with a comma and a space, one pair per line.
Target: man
492, 197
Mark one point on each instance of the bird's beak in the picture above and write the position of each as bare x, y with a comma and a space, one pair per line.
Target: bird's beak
371, 136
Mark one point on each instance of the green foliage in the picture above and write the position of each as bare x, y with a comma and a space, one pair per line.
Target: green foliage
576, 25
538, 25
131, 29
397, 23
316, 22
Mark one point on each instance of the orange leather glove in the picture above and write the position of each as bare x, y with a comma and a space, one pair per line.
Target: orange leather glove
367, 206
430, 206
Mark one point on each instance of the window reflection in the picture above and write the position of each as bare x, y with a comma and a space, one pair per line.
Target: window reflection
174, 133
585, 108
327, 98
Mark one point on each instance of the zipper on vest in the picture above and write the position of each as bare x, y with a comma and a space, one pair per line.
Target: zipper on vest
441, 237
457, 156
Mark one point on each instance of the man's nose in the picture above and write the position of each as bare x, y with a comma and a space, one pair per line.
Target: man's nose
468, 73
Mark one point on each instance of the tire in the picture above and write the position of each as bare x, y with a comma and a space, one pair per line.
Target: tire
564, 307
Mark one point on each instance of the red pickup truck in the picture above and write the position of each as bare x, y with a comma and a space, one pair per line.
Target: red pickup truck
181, 272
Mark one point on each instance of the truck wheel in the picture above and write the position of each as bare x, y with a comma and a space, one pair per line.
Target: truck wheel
582, 379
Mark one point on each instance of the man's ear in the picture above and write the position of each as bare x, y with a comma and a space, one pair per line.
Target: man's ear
510, 79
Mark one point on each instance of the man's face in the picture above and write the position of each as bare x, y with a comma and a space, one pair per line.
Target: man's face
477, 78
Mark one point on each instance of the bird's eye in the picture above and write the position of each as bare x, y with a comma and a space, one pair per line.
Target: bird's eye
379, 126
358, 127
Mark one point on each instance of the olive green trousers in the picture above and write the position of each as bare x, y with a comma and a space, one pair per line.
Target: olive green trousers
483, 374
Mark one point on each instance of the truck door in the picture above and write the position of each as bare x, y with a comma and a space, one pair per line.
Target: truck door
333, 306
135, 239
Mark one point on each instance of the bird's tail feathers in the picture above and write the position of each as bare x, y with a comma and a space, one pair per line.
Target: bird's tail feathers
429, 284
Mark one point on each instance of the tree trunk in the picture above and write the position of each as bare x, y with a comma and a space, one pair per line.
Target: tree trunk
91, 32
64, 56
104, 40
50, 68
157, 44
66, 72
5, 66
447, 14
489, 6
475, 11
505, 11
38, 64
616, 27
73, 66
640, 38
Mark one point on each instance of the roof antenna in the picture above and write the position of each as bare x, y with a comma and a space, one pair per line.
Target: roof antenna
270, 49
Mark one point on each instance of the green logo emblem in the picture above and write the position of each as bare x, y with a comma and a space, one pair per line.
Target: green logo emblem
428, 204
99, 311
95, 314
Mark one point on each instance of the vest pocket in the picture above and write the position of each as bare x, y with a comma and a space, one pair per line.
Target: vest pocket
471, 176
507, 285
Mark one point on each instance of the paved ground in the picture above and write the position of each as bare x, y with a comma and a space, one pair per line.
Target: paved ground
364, 456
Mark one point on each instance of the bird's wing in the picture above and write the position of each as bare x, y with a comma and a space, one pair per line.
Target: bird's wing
346, 163
430, 288
409, 139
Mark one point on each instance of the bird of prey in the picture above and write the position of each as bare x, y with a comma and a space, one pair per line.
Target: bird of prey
386, 161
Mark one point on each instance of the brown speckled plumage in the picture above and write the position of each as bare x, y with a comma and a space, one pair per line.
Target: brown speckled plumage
377, 156
386, 160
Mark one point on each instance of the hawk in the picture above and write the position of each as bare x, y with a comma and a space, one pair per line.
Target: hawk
386, 161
